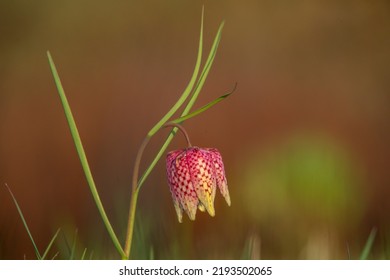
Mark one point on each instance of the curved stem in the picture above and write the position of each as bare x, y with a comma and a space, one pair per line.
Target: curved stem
134, 196
135, 188
181, 128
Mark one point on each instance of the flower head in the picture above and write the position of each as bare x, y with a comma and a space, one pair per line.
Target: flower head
193, 177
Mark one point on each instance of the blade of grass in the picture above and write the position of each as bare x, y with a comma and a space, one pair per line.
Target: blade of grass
50, 244
84, 253
202, 109
73, 249
83, 157
370, 241
55, 255
24, 222
187, 109
91, 255
348, 251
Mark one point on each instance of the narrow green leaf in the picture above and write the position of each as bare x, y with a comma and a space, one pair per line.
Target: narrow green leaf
202, 109
83, 157
50, 244
24, 222
370, 241
187, 109
187, 90
206, 70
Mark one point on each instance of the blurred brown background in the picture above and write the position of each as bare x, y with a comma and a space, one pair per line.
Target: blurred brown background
305, 137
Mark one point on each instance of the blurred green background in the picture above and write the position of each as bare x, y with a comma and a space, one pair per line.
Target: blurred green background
305, 137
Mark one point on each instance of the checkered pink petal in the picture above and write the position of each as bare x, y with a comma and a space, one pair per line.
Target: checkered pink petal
193, 176
220, 174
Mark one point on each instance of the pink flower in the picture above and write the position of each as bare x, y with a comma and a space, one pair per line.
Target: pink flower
193, 176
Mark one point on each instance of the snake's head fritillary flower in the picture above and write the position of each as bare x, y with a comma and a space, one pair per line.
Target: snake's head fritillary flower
194, 174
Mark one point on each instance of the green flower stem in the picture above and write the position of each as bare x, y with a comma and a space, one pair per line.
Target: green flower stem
157, 157
136, 188
134, 197
83, 157
136, 184
131, 221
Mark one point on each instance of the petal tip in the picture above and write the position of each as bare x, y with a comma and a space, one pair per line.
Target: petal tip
211, 212
228, 201
192, 217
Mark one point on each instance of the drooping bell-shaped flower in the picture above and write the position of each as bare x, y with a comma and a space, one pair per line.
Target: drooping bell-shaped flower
194, 174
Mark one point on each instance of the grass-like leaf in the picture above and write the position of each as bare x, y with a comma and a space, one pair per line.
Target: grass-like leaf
50, 244
203, 108
197, 89
73, 248
83, 254
24, 223
55, 256
205, 71
187, 90
370, 241
83, 157
137, 183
